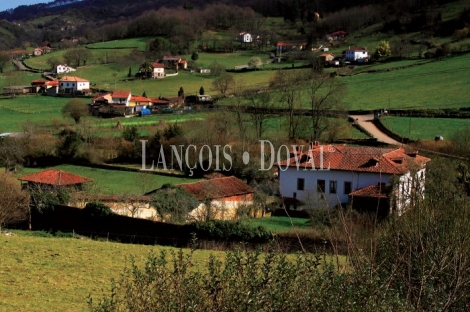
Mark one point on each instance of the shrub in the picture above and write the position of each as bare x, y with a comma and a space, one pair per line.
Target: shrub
229, 231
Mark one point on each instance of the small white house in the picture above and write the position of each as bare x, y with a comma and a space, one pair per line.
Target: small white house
158, 70
72, 84
63, 68
245, 37
356, 53
319, 176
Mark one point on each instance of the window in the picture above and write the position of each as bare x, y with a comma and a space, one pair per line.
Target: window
321, 186
347, 187
300, 184
333, 187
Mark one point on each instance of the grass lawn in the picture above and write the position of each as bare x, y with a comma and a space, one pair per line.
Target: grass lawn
140, 43
280, 224
425, 128
116, 182
439, 84
58, 274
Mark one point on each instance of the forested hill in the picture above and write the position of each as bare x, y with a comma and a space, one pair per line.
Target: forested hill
96, 10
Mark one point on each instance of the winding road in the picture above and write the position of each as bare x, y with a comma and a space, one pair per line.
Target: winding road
365, 121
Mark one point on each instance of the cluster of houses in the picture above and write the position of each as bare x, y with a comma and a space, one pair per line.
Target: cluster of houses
375, 180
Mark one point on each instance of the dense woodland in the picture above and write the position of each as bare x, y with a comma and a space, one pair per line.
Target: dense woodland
183, 23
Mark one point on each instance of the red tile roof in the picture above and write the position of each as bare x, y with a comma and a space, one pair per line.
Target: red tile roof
355, 158
38, 81
357, 49
55, 177
72, 79
375, 191
121, 94
140, 99
52, 83
157, 65
217, 188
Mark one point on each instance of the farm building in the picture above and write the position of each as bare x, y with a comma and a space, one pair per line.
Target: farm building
330, 175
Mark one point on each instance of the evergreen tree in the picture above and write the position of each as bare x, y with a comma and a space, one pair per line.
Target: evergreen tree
201, 91
130, 73
181, 92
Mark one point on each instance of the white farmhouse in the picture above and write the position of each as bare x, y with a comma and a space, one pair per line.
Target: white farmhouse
245, 37
158, 70
324, 176
72, 84
356, 53
63, 68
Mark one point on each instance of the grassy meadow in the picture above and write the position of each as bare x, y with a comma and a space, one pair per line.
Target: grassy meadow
424, 128
280, 224
116, 182
58, 274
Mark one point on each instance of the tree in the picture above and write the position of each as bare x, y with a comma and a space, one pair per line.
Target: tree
195, 56
69, 144
324, 94
130, 134
129, 74
53, 61
147, 69
75, 109
223, 83
4, 59
181, 92
382, 49
14, 202
144, 94
255, 62
201, 90
216, 68
286, 83
12, 152
77, 56
173, 204
259, 104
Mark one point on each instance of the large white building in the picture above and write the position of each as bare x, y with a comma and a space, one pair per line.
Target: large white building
324, 176
72, 84
356, 54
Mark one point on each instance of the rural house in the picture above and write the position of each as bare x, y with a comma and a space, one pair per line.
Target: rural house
224, 195
290, 46
174, 62
139, 103
244, 37
117, 103
158, 70
54, 178
72, 85
62, 68
356, 54
329, 175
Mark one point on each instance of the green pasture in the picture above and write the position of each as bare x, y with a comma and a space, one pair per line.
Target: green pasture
140, 43
397, 65
58, 274
36, 109
424, 128
280, 224
439, 84
117, 182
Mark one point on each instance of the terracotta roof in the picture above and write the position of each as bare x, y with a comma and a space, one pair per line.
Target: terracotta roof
375, 191
72, 79
121, 94
55, 177
355, 158
140, 99
217, 188
115, 198
326, 54
159, 101
357, 49
157, 65
38, 81
290, 44
52, 83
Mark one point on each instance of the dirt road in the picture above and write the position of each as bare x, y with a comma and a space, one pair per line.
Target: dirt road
365, 121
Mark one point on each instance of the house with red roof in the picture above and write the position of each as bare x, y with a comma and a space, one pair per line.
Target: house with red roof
324, 176
224, 195
72, 84
356, 54
54, 178
158, 69
283, 46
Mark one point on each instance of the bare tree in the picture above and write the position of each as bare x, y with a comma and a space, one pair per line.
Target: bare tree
324, 94
12, 152
223, 83
259, 105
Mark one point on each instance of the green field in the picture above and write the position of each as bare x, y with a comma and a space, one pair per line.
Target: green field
114, 182
140, 43
280, 224
439, 84
424, 128
58, 274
